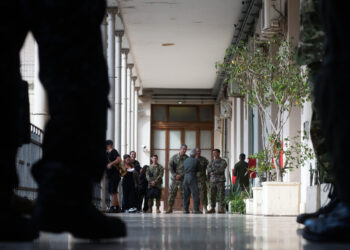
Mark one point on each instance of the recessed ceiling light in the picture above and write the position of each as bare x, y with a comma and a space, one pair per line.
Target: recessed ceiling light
179, 102
168, 44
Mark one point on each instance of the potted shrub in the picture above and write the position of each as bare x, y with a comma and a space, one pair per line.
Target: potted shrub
268, 77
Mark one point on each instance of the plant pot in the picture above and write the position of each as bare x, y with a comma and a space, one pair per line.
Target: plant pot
249, 209
257, 200
312, 199
280, 198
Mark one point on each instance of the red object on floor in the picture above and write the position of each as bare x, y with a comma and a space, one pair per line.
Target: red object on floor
252, 167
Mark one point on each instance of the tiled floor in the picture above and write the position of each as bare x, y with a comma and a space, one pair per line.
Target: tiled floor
188, 232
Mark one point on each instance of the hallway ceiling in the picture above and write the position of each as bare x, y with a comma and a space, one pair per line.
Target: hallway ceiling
175, 43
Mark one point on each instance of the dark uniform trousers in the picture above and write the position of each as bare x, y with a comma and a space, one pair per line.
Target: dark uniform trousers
332, 99
190, 187
74, 74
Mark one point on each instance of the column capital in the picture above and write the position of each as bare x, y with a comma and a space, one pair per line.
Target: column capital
134, 78
125, 51
130, 65
112, 10
119, 33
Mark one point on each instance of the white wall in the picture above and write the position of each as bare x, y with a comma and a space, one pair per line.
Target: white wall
27, 68
306, 115
291, 129
217, 127
246, 128
144, 131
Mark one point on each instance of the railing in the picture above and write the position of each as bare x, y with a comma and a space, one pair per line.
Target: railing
27, 155
30, 153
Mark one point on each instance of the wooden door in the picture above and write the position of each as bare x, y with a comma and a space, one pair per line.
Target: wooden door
167, 137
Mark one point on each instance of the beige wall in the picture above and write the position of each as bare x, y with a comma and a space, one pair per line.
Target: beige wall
144, 131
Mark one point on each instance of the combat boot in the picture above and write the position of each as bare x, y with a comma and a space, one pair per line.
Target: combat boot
169, 211
211, 211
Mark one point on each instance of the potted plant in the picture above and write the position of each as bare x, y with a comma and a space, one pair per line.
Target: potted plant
269, 78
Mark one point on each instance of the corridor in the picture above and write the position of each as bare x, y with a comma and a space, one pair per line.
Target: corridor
177, 231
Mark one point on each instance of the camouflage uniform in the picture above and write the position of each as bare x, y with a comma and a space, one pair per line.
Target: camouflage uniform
217, 181
310, 53
176, 167
202, 181
155, 173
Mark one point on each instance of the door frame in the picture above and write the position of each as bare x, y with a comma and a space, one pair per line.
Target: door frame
181, 126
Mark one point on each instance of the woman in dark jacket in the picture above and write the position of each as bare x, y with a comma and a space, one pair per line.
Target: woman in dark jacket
130, 187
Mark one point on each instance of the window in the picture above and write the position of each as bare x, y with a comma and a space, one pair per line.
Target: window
206, 113
182, 114
159, 113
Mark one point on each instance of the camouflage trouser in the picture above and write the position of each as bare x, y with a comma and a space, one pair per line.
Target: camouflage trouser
175, 185
217, 188
202, 188
317, 136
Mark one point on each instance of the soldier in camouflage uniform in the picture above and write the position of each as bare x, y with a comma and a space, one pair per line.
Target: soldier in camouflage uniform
154, 175
216, 171
310, 53
176, 167
202, 179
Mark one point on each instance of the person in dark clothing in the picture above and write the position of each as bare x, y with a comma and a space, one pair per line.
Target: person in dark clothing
241, 172
113, 176
137, 167
74, 74
192, 166
130, 186
143, 188
135, 162
331, 99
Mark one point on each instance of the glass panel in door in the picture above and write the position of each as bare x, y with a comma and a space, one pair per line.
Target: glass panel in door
190, 140
159, 148
205, 139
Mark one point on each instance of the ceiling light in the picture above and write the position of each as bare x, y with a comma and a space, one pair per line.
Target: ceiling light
168, 44
179, 102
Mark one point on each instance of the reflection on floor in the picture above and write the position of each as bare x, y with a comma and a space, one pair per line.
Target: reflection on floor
189, 232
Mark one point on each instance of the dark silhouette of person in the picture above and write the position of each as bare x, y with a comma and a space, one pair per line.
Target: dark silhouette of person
331, 99
240, 170
130, 185
192, 167
74, 74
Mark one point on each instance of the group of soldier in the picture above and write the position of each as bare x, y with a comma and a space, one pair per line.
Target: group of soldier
189, 175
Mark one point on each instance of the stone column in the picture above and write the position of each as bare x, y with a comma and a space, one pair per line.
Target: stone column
40, 109
118, 90
133, 106
136, 110
132, 113
124, 148
128, 131
111, 14
104, 35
